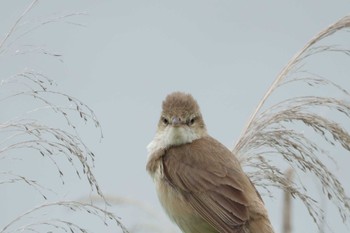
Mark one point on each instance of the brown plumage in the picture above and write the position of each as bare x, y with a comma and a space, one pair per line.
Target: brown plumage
200, 183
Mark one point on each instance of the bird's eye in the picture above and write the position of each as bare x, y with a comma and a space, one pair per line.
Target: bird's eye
165, 121
192, 120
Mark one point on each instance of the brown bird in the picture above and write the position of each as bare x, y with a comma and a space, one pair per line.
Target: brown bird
200, 182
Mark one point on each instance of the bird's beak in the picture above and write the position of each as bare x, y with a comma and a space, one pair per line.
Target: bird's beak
176, 121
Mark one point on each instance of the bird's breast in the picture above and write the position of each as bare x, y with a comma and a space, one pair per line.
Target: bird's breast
174, 202
171, 199
176, 206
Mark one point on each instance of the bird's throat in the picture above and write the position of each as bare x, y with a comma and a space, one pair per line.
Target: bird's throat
172, 136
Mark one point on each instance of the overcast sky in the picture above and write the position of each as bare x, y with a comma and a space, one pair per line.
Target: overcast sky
131, 54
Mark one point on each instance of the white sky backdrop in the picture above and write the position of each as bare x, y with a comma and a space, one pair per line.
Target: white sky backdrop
132, 53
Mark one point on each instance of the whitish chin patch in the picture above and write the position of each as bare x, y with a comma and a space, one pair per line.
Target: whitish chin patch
178, 135
172, 136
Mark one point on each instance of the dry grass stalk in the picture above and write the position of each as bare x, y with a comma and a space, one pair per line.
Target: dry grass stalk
48, 141
270, 133
15, 25
150, 220
58, 224
287, 206
27, 133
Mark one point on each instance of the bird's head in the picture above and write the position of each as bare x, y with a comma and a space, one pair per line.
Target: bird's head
181, 121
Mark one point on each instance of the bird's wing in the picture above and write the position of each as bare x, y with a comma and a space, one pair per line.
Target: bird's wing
213, 183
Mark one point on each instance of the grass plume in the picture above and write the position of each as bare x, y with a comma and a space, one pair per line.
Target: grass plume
26, 132
274, 131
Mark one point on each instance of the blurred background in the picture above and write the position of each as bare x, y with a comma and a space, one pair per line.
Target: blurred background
122, 58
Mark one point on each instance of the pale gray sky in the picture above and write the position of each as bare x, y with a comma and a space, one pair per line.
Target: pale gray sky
132, 53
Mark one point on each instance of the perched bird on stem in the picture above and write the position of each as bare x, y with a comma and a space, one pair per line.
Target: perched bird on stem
200, 182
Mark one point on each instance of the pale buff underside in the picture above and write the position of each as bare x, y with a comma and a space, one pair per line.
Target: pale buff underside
180, 211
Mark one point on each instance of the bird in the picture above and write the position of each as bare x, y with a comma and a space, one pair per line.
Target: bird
200, 182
